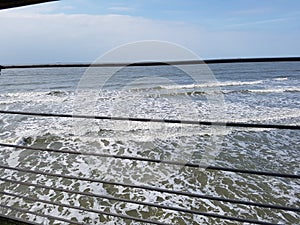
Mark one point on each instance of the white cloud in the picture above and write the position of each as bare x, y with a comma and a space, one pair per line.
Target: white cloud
121, 9
252, 11
30, 37
275, 20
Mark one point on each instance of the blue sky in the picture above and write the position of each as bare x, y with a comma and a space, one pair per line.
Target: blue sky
83, 30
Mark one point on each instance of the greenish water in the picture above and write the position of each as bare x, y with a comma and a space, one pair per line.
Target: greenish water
259, 93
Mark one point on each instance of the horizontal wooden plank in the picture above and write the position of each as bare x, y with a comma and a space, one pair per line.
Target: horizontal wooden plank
6, 4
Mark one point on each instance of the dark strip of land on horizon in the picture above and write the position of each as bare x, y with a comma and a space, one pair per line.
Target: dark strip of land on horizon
156, 63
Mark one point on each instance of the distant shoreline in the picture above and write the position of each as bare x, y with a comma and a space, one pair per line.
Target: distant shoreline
156, 63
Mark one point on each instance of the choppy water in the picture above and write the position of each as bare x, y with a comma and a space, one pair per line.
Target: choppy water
251, 92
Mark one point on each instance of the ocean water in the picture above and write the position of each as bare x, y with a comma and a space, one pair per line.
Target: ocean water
244, 92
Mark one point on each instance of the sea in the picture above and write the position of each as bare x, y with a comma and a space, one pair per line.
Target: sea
260, 93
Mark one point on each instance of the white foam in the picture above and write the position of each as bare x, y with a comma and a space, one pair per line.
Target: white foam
275, 90
280, 78
217, 84
14, 158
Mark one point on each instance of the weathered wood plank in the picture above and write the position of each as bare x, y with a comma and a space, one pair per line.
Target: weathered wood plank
6, 4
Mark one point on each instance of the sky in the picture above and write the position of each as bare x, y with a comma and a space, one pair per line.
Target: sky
71, 31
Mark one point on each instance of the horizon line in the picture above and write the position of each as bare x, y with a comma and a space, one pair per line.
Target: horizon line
156, 63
